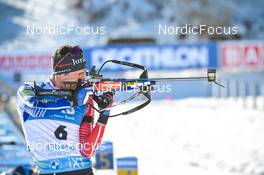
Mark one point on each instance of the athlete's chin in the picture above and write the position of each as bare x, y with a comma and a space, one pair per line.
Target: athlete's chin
70, 87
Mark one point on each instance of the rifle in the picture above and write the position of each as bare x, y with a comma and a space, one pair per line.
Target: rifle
95, 82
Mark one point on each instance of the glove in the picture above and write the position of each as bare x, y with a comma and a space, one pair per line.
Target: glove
105, 100
103, 118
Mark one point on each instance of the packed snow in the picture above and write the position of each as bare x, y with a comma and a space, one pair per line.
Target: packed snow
195, 136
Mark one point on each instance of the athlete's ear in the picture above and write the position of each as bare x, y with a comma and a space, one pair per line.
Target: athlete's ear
57, 80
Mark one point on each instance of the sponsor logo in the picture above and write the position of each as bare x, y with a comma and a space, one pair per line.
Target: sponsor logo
78, 61
45, 100
242, 55
157, 57
68, 111
62, 147
55, 164
76, 162
63, 65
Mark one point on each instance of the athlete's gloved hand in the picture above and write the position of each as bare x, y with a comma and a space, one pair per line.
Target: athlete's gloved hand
103, 118
105, 100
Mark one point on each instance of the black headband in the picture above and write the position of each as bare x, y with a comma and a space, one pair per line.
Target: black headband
72, 61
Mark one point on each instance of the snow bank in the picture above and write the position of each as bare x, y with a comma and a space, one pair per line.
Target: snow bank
191, 136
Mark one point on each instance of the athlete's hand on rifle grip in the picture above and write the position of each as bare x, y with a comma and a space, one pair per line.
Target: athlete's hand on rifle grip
105, 100
103, 118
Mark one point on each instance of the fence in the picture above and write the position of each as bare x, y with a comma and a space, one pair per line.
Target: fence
249, 93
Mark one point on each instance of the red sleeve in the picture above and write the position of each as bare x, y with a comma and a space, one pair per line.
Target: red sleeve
90, 137
90, 110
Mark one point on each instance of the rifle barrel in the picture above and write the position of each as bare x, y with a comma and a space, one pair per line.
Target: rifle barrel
158, 79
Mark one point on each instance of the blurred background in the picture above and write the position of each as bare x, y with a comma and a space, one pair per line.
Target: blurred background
197, 127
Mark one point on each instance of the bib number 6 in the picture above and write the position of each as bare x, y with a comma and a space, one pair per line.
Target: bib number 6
60, 133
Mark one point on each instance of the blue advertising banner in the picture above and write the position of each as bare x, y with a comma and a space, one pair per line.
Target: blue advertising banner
155, 57
104, 156
127, 163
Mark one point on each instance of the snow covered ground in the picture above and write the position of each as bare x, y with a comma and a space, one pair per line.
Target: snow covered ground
195, 136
